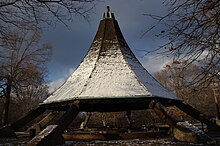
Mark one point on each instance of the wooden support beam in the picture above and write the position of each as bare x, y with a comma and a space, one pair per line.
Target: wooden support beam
192, 112
183, 131
8, 130
158, 107
52, 134
86, 120
28, 118
211, 123
68, 117
39, 126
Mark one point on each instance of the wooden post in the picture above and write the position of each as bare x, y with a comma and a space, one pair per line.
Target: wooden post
203, 127
216, 98
128, 114
85, 122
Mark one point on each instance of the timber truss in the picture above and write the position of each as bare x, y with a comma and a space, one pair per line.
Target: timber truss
51, 134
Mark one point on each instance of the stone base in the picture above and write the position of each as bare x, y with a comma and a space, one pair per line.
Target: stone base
185, 132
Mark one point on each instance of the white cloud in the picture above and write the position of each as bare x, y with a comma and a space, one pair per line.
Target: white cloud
54, 85
154, 63
70, 71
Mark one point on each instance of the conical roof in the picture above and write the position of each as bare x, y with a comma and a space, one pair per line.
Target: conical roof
109, 71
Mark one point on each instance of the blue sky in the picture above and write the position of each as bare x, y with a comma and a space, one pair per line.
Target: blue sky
71, 45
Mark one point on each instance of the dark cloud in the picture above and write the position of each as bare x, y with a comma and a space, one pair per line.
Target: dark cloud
71, 45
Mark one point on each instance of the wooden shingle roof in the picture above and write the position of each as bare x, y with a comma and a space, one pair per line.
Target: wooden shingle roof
110, 70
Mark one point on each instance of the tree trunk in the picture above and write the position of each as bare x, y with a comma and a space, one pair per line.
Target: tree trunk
7, 101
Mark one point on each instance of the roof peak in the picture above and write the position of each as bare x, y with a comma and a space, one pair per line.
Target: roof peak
108, 14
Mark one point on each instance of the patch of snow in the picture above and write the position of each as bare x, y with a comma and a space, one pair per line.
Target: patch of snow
191, 127
133, 142
75, 83
112, 77
145, 78
154, 63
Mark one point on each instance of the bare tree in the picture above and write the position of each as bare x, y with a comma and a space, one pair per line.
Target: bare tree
22, 63
22, 59
192, 30
177, 78
26, 99
14, 13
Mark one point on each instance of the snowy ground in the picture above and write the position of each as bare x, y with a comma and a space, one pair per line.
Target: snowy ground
135, 142
13, 141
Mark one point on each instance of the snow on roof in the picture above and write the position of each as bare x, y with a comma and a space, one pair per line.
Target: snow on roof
110, 70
